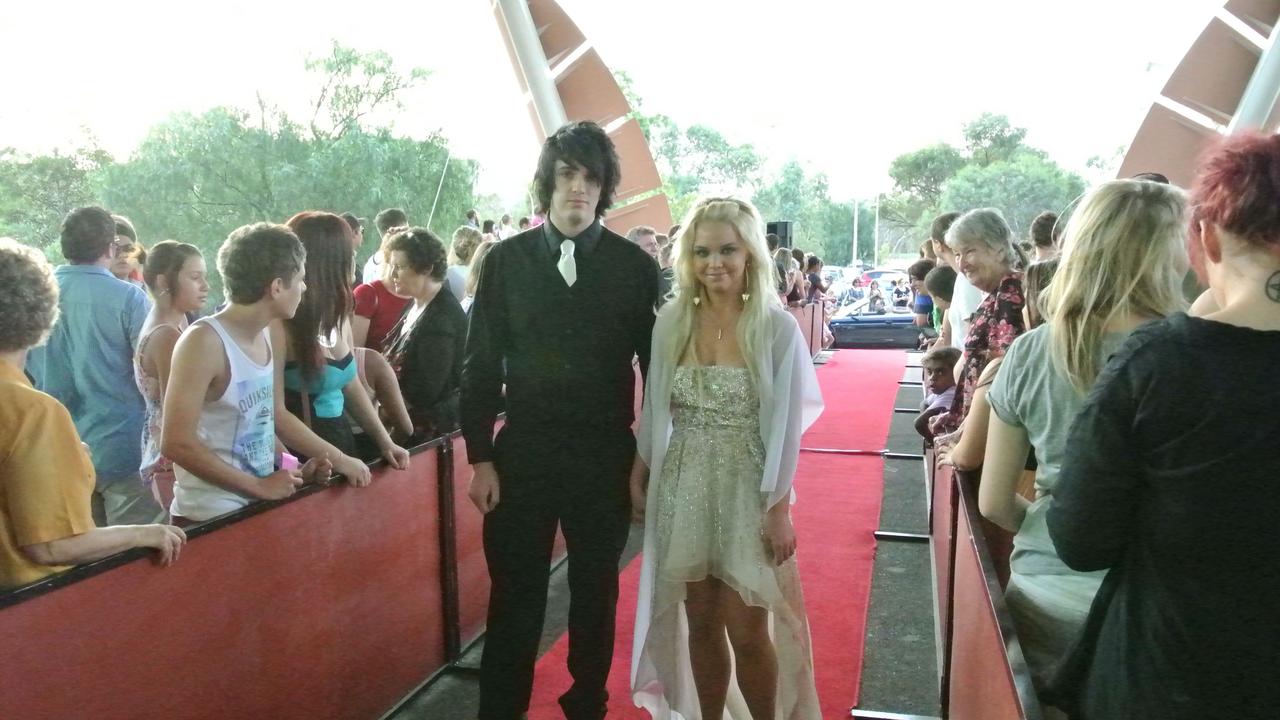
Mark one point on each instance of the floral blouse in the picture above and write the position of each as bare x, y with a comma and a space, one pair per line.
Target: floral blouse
995, 325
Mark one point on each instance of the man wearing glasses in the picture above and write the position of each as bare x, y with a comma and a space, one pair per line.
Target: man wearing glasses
87, 365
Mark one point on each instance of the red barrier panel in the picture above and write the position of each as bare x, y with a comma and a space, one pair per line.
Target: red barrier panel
325, 607
811, 318
988, 678
942, 532
805, 321
473, 570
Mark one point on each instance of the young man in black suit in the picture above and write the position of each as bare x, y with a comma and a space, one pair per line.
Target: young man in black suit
560, 313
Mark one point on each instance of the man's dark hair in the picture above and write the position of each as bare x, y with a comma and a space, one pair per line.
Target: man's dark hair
1043, 229
487, 227
125, 227
772, 240
472, 214
424, 251
941, 224
1154, 177
352, 221
389, 218
585, 145
253, 256
524, 223
87, 234
920, 268
324, 306
941, 282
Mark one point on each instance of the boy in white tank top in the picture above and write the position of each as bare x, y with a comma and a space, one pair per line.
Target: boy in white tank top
220, 430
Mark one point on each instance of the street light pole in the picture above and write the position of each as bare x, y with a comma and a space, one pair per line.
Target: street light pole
855, 232
876, 239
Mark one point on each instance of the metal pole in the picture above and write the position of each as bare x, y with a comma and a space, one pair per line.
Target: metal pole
447, 154
533, 65
876, 241
1261, 93
855, 232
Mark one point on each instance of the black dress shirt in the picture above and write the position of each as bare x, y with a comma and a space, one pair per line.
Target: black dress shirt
565, 353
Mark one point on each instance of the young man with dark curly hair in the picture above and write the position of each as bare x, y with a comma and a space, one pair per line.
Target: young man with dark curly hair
560, 314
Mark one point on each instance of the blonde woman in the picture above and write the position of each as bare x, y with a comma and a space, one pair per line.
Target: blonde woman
1122, 265
473, 278
731, 389
462, 249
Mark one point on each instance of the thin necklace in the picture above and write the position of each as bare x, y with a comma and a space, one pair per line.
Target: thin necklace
719, 329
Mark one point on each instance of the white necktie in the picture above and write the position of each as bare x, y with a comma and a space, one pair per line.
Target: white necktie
567, 267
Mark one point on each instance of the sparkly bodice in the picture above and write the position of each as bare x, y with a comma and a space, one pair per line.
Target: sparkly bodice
728, 398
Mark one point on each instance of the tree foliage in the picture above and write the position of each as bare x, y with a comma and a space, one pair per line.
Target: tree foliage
197, 177
37, 191
1021, 188
821, 226
996, 169
692, 161
991, 138
354, 85
921, 174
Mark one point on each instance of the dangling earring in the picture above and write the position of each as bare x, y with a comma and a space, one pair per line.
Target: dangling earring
697, 299
746, 297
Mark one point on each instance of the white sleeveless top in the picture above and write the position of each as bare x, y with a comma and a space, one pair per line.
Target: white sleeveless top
238, 427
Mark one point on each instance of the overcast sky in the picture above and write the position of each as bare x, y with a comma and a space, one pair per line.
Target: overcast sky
842, 85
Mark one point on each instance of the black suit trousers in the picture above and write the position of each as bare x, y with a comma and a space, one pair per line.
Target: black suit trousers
576, 480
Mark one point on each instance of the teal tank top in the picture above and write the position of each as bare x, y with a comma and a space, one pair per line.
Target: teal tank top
326, 388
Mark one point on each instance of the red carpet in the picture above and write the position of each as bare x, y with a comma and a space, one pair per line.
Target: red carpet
837, 509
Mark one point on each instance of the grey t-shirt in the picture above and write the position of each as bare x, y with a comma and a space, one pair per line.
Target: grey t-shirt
1031, 393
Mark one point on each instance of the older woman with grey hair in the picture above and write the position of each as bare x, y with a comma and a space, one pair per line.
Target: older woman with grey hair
990, 258
46, 476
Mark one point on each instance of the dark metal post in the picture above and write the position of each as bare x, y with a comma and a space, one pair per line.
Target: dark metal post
449, 555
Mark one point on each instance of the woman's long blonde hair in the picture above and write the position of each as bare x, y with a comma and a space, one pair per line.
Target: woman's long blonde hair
761, 291
477, 264
1124, 253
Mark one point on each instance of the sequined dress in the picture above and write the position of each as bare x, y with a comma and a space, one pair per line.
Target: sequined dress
708, 522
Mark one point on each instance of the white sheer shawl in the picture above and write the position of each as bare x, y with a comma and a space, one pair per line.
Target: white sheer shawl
790, 401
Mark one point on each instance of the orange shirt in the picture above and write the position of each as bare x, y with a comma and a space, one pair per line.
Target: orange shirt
46, 477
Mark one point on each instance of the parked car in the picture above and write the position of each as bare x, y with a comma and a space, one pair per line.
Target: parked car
884, 276
857, 327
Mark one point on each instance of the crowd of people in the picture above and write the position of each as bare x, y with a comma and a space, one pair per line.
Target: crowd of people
1121, 443
1126, 446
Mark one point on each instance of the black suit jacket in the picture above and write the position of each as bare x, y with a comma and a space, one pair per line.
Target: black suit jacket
565, 353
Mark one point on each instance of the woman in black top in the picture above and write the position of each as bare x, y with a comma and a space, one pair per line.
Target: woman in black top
1174, 484
425, 348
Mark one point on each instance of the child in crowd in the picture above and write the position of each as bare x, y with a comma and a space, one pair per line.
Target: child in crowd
940, 386
220, 432
922, 306
940, 283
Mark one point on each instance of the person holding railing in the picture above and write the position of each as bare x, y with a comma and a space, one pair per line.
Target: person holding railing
425, 348
1171, 483
46, 475
220, 430
317, 381
1122, 265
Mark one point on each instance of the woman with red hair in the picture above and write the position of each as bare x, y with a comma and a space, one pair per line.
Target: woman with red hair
1172, 488
318, 384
